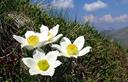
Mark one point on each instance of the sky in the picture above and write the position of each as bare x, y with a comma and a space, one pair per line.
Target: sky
103, 14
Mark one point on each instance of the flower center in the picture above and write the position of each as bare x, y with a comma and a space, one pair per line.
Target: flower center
43, 65
33, 40
72, 49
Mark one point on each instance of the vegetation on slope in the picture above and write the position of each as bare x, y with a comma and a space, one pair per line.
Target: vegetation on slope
106, 62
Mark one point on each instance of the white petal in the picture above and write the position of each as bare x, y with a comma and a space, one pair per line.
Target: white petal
28, 47
40, 44
45, 43
54, 30
56, 46
64, 42
43, 36
44, 29
29, 62
33, 71
52, 56
64, 45
84, 51
63, 49
57, 38
19, 39
74, 56
65, 54
65, 39
79, 42
57, 63
49, 72
29, 33
38, 55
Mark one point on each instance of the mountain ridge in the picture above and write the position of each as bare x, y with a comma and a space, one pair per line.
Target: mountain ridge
120, 36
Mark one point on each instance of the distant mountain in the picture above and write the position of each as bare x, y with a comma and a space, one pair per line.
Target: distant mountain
120, 36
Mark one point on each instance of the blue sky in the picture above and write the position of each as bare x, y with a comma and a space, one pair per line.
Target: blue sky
103, 14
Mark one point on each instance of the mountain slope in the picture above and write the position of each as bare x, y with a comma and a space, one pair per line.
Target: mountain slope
106, 62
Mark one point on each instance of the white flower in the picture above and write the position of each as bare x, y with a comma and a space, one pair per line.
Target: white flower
74, 49
52, 34
32, 39
42, 64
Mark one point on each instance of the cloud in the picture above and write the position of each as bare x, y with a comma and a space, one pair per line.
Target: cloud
107, 21
63, 4
108, 18
89, 18
95, 6
122, 18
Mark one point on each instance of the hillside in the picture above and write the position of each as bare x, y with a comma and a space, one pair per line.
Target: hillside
120, 36
107, 61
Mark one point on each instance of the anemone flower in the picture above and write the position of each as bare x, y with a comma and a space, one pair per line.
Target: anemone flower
32, 39
52, 33
42, 64
74, 49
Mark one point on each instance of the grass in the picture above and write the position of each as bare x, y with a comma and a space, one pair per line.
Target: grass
107, 61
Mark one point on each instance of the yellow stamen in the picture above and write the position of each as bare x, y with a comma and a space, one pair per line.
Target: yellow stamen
72, 49
33, 40
43, 65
